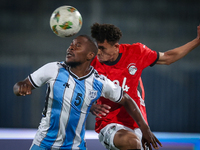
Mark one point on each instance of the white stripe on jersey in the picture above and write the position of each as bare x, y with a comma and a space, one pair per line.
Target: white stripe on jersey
64, 117
86, 104
69, 102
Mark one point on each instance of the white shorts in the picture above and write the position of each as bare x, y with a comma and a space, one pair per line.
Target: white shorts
106, 135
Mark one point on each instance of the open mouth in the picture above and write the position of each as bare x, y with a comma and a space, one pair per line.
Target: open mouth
69, 54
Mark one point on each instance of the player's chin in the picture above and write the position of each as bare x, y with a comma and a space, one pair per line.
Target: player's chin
100, 59
103, 61
73, 63
68, 61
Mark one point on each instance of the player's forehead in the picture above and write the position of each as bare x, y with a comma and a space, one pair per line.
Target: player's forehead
104, 44
81, 40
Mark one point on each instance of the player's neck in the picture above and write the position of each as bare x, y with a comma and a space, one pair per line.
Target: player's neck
115, 56
110, 63
81, 70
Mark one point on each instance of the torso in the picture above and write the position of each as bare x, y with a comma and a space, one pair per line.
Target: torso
68, 102
126, 73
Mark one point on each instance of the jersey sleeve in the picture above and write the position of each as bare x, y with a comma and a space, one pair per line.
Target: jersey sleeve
42, 75
112, 91
150, 57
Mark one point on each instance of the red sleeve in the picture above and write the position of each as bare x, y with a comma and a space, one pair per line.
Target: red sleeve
149, 57
140, 54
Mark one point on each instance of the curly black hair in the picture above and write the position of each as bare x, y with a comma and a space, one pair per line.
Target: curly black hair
109, 32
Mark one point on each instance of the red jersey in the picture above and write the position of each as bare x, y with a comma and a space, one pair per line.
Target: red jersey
125, 71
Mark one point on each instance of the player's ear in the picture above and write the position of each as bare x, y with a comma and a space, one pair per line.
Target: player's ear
117, 45
90, 55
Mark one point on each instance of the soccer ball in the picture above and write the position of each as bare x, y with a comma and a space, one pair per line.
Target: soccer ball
65, 21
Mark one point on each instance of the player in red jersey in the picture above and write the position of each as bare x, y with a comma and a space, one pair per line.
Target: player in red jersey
123, 64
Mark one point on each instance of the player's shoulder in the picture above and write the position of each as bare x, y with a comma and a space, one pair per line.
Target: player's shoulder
53, 65
99, 77
132, 47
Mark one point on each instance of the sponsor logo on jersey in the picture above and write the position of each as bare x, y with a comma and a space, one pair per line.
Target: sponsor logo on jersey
92, 94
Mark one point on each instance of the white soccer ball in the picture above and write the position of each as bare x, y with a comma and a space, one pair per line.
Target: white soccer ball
66, 21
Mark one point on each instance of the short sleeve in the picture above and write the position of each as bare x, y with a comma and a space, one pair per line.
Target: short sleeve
112, 91
150, 56
42, 75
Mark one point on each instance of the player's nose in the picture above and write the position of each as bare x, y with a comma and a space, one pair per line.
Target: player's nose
99, 52
71, 47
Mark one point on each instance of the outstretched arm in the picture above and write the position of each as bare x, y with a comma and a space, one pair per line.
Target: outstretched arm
133, 110
23, 88
170, 56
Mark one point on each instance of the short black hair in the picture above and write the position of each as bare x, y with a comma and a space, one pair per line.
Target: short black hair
109, 32
92, 44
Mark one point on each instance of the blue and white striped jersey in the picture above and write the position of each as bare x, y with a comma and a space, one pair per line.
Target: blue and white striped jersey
68, 102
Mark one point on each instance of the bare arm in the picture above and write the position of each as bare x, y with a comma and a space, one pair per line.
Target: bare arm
23, 88
133, 110
170, 56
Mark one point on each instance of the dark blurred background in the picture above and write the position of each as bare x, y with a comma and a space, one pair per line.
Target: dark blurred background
27, 43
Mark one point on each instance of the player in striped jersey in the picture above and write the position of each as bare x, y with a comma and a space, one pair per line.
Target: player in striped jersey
123, 64
73, 86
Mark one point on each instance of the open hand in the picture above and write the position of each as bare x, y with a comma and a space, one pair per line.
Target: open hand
149, 140
100, 110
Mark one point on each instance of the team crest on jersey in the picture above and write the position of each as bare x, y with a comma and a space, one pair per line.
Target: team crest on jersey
132, 68
92, 94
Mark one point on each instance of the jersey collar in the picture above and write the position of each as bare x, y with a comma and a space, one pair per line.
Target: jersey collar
83, 77
74, 75
114, 62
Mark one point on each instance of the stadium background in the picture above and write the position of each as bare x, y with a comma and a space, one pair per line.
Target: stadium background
27, 43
